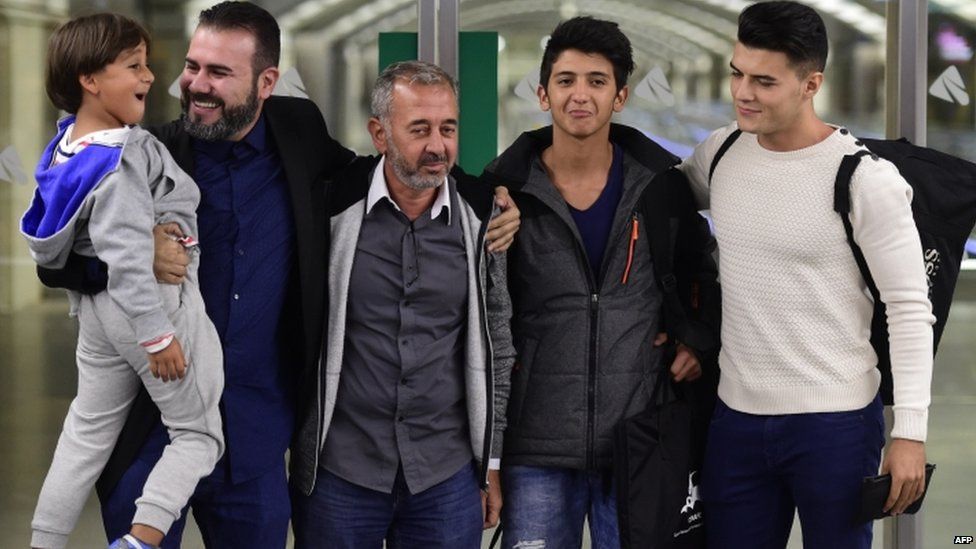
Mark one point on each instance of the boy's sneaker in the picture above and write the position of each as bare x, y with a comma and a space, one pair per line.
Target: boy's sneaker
129, 541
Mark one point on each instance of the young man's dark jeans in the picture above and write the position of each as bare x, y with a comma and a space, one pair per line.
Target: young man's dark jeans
342, 515
759, 469
545, 508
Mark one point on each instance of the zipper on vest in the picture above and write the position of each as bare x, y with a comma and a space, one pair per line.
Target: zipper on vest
634, 233
591, 385
482, 265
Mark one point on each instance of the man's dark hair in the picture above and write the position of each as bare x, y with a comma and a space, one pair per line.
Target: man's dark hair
787, 27
85, 45
253, 19
590, 35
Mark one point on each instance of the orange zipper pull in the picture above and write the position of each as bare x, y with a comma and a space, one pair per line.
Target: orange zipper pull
634, 233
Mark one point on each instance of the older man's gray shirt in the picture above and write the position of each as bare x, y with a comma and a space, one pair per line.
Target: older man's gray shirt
401, 394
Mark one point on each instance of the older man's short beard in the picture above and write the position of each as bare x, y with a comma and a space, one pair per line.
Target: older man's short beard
232, 121
411, 176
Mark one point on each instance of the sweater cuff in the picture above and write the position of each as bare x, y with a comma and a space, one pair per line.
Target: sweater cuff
910, 424
158, 344
151, 326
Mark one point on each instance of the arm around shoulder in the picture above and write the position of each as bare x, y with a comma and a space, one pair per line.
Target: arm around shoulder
695, 269
86, 275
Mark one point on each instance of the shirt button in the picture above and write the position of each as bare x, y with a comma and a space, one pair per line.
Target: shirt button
400, 419
236, 297
405, 342
406, 303
403, 381
240, 252
843, 131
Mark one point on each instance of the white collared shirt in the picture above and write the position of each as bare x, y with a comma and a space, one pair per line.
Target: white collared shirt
379, 189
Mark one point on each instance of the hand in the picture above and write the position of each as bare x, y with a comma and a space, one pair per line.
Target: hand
685, 366
170, 259
168, 364
905, 460
491, 501
502, 229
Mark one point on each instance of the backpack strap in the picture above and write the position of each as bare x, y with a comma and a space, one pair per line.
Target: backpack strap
842, 205
721, 152
496, 536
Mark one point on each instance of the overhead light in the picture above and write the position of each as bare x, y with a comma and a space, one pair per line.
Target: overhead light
568, 10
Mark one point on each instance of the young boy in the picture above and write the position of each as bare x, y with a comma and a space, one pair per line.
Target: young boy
103, 183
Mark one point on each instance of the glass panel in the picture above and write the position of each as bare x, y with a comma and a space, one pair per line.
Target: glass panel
679, 90
952, 85
951, 119
952, 70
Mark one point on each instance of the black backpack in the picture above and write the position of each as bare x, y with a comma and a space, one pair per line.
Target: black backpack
944, 208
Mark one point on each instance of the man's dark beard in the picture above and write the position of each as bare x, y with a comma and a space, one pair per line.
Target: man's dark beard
233, 120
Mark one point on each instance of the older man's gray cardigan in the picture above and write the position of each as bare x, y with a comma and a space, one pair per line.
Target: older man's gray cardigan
488, 355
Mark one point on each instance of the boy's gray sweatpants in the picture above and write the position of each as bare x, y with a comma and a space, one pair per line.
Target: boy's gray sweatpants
111, 367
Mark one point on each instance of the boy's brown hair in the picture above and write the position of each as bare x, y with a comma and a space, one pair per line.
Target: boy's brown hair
85, 45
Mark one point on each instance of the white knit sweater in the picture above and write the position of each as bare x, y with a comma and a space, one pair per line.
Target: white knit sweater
796, 311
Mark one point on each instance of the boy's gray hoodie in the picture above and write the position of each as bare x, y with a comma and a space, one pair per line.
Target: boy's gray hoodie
105, 202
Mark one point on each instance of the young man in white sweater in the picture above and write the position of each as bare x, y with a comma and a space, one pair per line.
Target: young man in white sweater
799, 422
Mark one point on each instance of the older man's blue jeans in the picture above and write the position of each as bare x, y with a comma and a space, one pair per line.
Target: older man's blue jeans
544, 507
342, 515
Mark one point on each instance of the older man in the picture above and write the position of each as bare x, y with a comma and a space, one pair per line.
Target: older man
414, 379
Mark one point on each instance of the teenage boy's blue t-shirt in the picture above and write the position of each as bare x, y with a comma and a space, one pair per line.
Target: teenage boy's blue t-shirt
595, 222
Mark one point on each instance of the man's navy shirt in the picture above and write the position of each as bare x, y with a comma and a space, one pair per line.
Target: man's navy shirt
247, 245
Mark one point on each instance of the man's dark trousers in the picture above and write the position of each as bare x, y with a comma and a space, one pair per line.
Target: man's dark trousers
342, 515
759, 469
254, 513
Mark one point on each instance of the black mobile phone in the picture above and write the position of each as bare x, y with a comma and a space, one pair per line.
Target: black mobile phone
874, 493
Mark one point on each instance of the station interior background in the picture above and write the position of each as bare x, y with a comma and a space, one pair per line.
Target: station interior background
679, 93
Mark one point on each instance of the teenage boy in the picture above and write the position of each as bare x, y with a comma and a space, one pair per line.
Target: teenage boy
587, 305
799, 423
